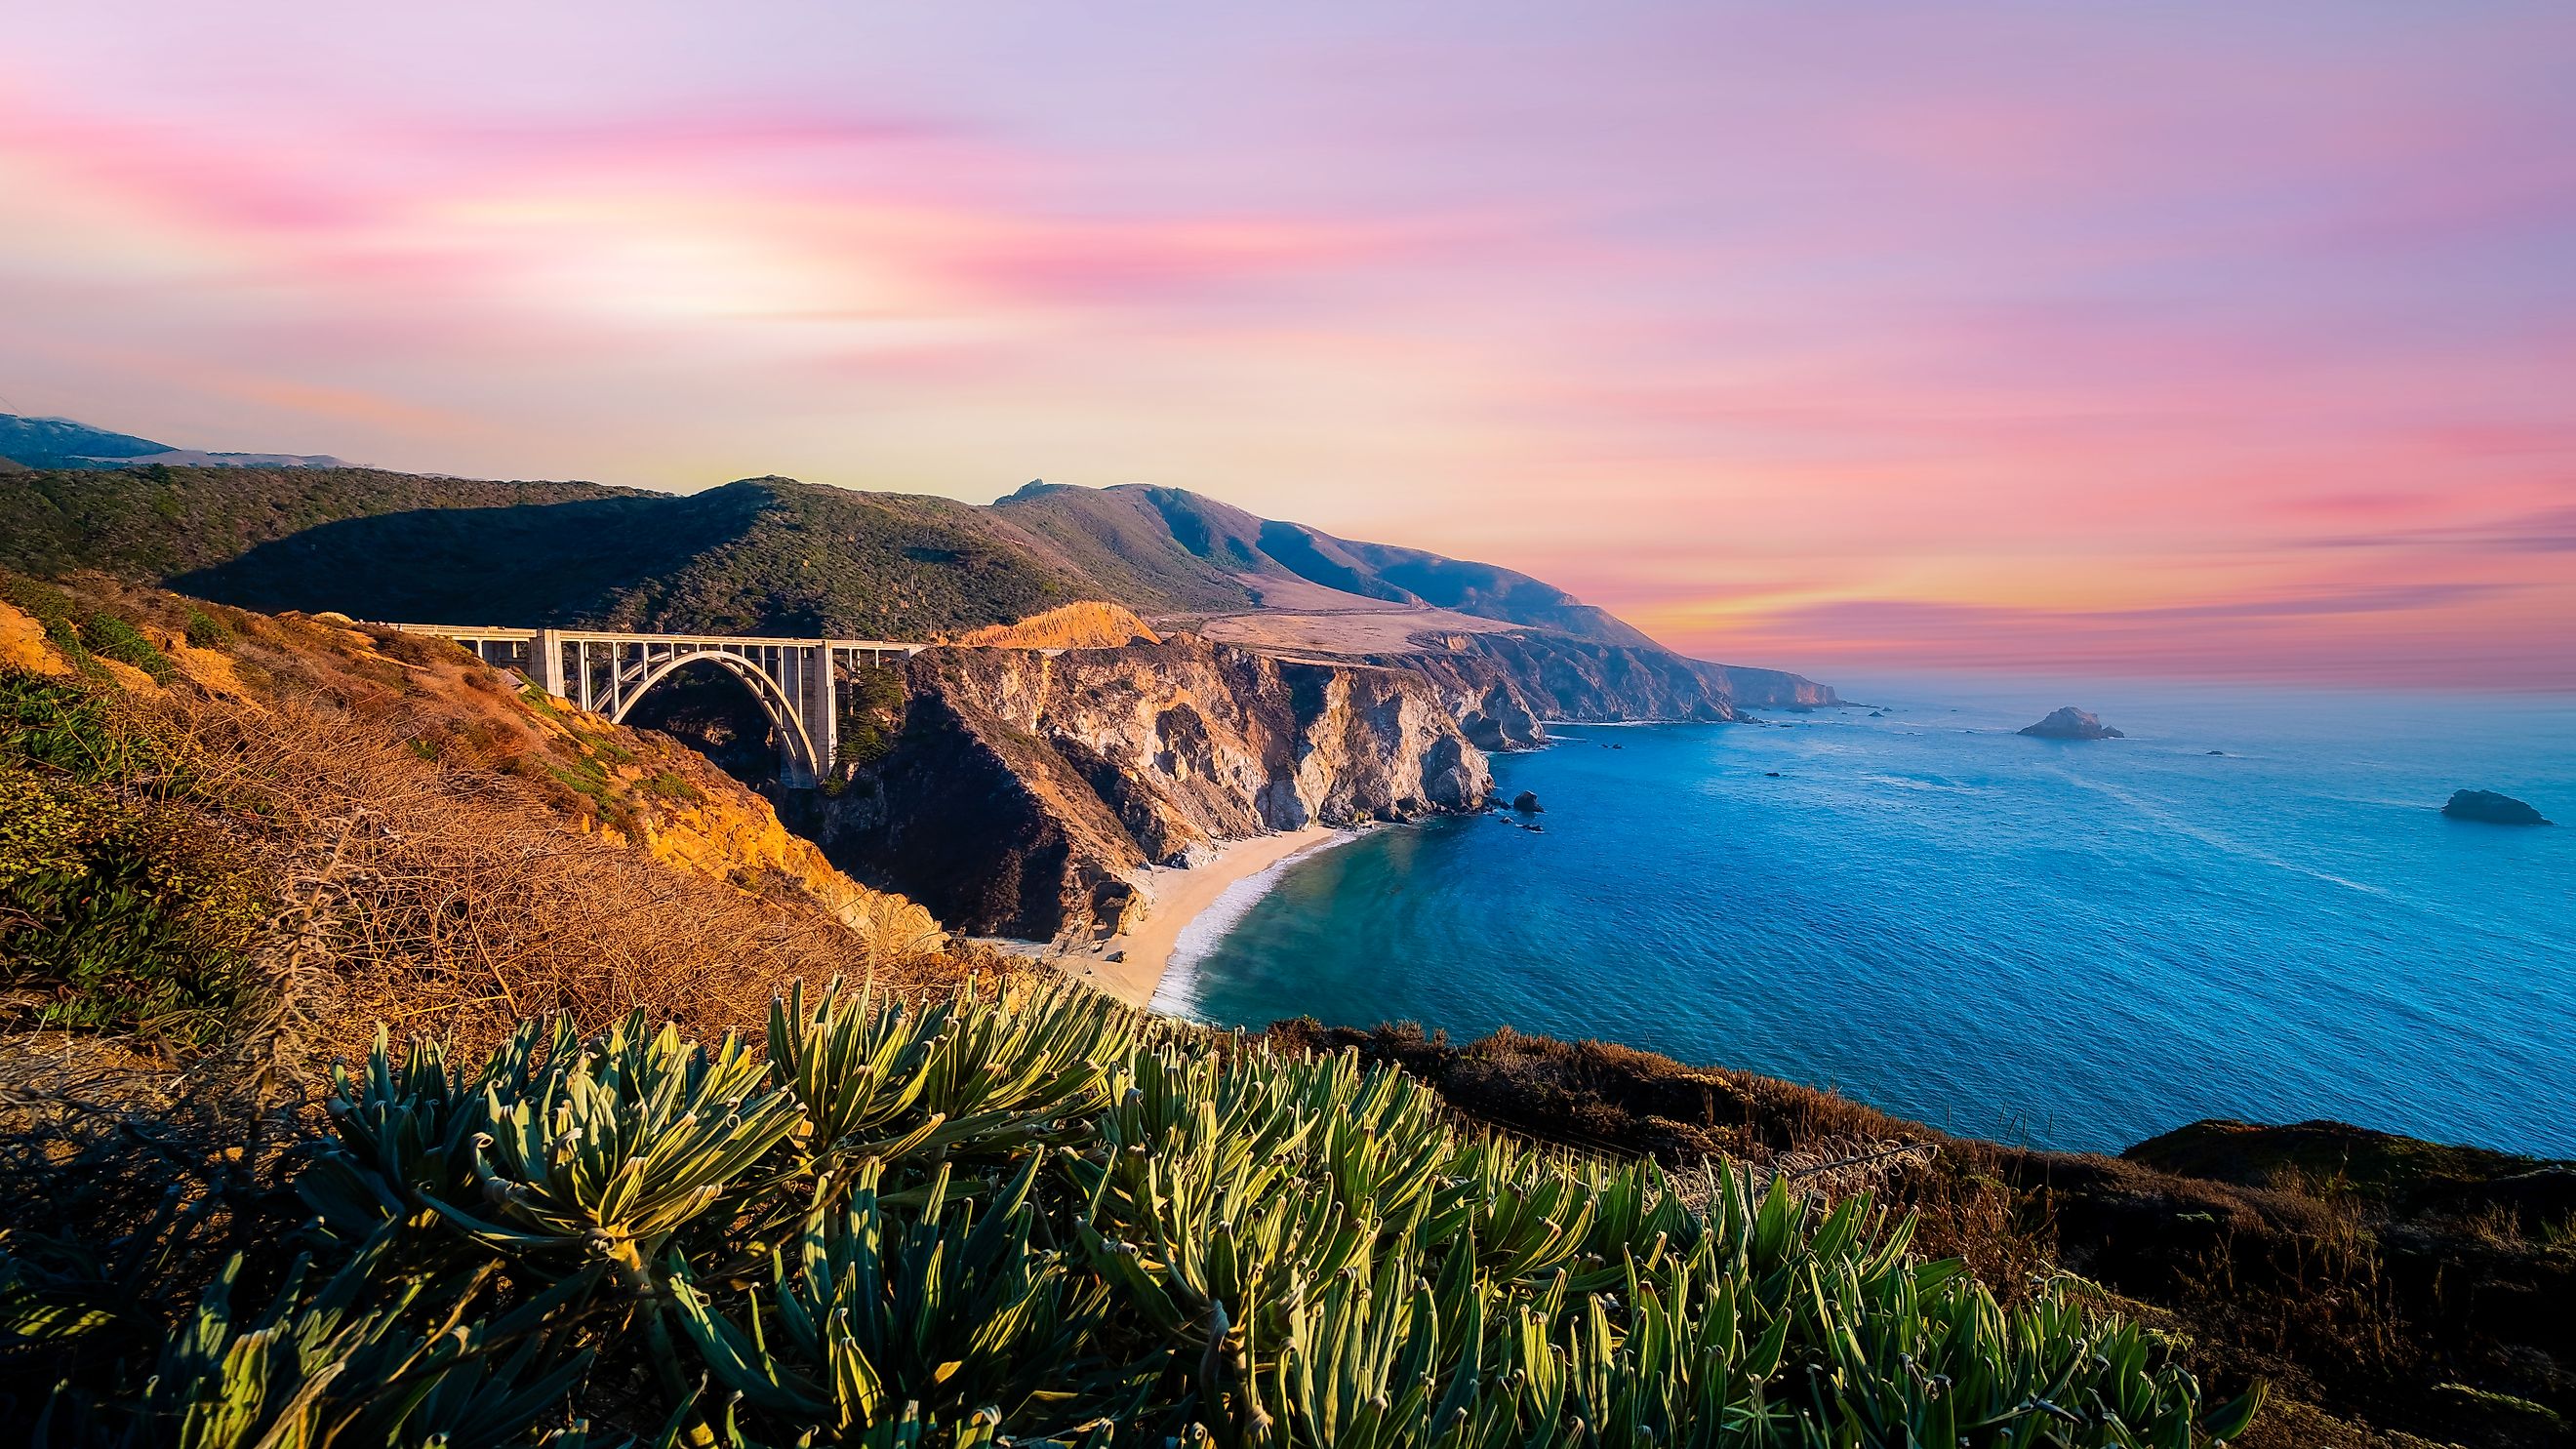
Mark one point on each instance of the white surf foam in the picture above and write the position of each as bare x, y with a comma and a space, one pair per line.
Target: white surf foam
1178, 990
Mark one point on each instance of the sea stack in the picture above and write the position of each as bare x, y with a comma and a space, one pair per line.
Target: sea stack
2071, 723
2489, 808
1526, 802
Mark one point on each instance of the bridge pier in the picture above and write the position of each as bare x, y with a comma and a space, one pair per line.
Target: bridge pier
545, 655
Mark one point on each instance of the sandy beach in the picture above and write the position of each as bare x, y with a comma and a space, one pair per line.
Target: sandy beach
1175, 898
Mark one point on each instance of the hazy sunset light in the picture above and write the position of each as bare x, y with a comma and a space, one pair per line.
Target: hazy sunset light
2173, 339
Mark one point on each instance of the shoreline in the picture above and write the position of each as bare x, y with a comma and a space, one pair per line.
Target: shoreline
1175, 900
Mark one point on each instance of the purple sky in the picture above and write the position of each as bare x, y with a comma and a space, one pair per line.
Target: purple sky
2171, 338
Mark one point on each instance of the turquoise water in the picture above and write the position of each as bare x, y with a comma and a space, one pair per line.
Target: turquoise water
2073, 945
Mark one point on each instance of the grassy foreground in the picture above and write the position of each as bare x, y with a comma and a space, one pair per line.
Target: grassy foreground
1033, 1216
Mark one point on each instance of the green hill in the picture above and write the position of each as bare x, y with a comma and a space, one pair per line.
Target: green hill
1187, 551
153, 524
765, 555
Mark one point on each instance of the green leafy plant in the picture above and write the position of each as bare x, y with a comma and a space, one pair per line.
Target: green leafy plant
117, 911
206, 631
112, 638
871, 704
1031, 1216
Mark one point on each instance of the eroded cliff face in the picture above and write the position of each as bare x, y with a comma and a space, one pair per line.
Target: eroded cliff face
1501, 687
1024, 789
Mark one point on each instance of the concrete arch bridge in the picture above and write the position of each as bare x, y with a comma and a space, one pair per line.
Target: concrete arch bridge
797, 681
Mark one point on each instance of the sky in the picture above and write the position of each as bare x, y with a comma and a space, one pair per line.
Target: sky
2155, 339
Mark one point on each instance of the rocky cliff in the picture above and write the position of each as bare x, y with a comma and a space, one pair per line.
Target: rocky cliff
1502, 687
1024, 790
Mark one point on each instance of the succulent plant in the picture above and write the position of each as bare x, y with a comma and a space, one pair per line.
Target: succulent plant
1031, 1216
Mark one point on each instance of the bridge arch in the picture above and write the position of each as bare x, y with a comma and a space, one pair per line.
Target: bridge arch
797, 681
774, 700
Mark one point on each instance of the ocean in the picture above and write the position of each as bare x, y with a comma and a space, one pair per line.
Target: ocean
2070, 945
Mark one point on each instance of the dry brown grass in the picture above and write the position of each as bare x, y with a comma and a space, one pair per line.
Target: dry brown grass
446, 901
1084, 624
431, 846
447, 857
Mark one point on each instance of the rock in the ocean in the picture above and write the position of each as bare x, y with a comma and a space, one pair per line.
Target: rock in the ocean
1526, 802
2489, 808
2071, 723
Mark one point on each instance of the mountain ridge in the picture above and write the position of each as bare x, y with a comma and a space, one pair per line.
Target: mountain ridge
63, 443
777, 555
1242, 549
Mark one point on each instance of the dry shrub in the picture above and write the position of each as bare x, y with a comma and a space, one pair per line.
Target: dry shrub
158, 1170
427, 839
422, 862
456, 901
1083, 624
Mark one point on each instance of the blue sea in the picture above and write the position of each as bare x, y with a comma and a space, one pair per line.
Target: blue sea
2073, 945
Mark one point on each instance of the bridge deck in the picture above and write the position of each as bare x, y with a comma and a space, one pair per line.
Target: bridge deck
506, 634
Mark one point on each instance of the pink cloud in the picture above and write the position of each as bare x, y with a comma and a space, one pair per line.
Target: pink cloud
2054, 326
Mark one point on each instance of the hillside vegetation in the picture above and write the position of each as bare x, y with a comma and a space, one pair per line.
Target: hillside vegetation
763, 555
1044, 1219
1086, 624
215, 818
155, 524
2394, 1294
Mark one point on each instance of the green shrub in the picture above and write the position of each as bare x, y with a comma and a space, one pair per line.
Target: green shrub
117, 913
140, 934
1045, 1219
80, 634
871, 708
205, 631
52, 609
111, 637
62, 726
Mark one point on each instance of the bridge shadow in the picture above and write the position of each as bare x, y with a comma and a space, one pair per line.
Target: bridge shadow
590, 561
